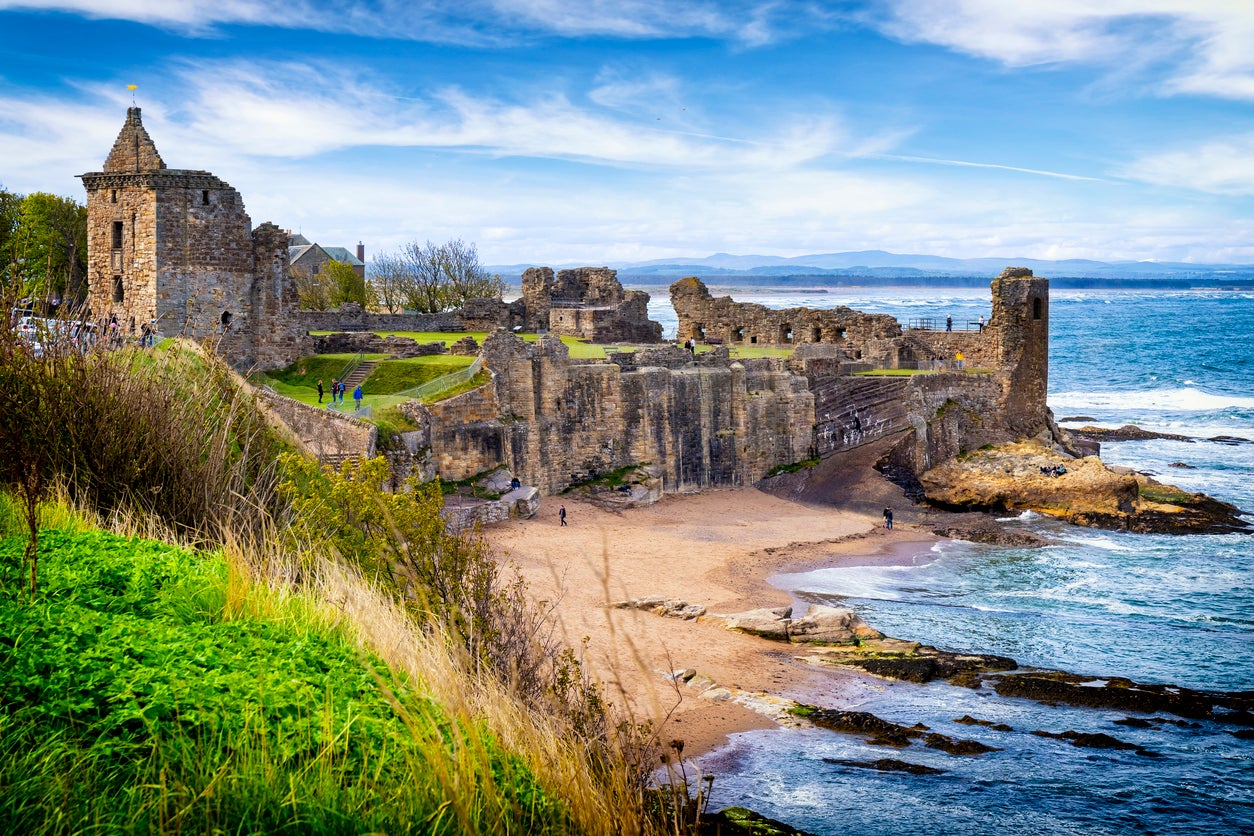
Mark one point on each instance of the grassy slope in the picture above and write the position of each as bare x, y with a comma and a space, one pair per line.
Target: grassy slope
151, 689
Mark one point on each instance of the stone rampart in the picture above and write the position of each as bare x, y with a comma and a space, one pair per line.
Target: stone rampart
323, 432
352, 317
553, 422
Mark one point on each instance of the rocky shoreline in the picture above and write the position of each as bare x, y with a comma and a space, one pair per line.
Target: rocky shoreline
830, 636
1035, 476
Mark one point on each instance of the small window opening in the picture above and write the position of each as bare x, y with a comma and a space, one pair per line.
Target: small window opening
118, 293
204, 197
226, 319
701, 332
117, 235
1036, 307
785, 333
817, 335
739, 335
113, 195
840, 333
753, 340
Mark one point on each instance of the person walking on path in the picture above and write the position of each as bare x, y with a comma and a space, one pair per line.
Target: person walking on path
981, 322
319, 390
561, 514
888, 518
357, 396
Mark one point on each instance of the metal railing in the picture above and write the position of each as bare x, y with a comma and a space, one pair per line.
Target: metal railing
439, 384
352, 365
936, 323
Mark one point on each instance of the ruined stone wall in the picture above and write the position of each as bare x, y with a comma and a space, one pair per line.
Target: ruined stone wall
554, 422
323, 432
351, 342
352, 317
703, 317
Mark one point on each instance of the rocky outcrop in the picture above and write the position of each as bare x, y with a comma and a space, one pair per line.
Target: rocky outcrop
820, 625
1010, 477
1123, 695
663, 606
881, 732
913, 662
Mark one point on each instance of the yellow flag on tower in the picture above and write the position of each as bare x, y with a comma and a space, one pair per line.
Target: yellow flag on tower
132, 87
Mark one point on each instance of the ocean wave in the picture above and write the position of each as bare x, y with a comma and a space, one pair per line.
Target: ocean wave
1186, 399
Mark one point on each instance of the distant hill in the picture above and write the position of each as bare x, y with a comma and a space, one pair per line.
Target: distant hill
871, 267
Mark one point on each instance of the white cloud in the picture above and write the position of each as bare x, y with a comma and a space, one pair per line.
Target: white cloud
1205, 44
752, 22
1223, 165
294, 110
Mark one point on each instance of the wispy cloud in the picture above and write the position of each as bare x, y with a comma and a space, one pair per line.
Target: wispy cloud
1224, 165
1198, 46
751, 22
968, 164
301, 110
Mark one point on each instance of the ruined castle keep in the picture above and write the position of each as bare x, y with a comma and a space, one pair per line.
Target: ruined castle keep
174, 249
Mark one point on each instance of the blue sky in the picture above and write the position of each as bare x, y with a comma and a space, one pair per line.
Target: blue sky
603, 131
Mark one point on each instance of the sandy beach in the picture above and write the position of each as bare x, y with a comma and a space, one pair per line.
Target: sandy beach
716, 548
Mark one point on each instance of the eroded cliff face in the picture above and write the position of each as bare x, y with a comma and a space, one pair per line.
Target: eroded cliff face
555, 422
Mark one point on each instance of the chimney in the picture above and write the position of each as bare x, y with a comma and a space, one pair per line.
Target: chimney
361, 252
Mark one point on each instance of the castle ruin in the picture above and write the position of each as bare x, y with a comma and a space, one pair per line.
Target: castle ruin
174, 250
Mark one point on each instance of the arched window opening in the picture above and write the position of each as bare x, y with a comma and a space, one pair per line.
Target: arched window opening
739, 335
1037, 306
226, 320
204, 197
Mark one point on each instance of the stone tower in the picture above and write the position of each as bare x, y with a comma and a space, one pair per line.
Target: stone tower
1020, 327
175, 247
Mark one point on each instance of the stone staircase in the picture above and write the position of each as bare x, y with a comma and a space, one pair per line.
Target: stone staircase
357, 375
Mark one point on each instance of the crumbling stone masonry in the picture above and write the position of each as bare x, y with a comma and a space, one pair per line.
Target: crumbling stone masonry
705, 318
586, 302
554, 422
174, 248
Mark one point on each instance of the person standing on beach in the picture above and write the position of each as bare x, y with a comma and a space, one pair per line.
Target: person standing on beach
949, 323
561, 514
888, 518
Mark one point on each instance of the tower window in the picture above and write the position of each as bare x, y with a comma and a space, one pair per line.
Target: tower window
1036, 307
226, 319
117, 235
119, 294
204, 197
113, 195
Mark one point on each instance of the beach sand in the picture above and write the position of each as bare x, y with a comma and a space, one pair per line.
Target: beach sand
716, 548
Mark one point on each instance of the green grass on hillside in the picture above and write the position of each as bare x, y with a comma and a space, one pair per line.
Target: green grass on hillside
150, 690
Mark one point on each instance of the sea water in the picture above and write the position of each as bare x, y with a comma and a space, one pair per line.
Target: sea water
1153, 608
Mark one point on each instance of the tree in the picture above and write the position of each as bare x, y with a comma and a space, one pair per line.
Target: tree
330, 285
430, 278
10, 220
51, 246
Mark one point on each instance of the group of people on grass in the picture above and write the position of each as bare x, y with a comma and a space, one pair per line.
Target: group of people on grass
337, 392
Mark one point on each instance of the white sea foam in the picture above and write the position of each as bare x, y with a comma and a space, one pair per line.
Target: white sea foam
1187, 399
